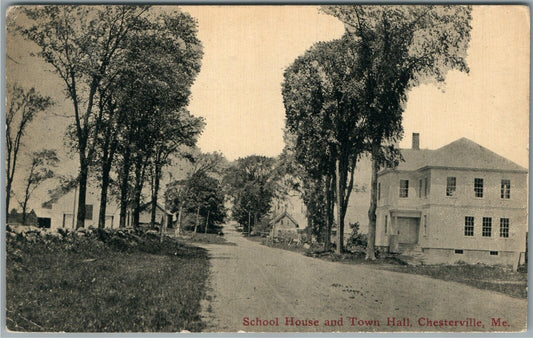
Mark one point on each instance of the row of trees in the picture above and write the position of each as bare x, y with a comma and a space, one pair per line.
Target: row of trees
127, 70
344, 99
22, 107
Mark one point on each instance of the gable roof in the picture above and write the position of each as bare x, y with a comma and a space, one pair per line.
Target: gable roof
148, 207
284, 214
462, 153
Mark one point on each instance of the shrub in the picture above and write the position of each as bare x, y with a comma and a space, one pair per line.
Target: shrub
357, 241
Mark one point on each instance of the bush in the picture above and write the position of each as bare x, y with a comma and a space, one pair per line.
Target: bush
357, 241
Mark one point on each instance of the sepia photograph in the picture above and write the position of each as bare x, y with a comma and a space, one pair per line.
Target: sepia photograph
266, 168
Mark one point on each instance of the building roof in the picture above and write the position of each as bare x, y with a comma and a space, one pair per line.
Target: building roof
282, 215
148, 207
462, 153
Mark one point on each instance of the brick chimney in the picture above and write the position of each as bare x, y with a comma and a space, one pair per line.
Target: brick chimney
416, 141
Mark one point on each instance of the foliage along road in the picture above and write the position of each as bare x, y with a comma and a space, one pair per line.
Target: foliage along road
262, 289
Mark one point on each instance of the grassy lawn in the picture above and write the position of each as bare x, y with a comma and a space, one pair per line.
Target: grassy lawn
494, 278
205, 238
85, 284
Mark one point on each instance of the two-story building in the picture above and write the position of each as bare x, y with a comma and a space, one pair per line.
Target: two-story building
461, 202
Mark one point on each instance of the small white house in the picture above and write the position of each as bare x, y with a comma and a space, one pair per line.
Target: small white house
61, 211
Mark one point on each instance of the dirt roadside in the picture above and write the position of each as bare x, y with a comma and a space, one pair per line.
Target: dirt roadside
254, 284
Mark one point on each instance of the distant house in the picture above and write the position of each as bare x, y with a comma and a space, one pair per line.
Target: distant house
284, 224
15, 217
162, 216
61, 210
288, 214
461, 202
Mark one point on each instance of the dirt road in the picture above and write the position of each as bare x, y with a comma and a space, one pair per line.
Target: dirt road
257, 288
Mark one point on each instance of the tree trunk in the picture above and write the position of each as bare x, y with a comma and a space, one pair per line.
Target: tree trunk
8, 194
124, 188
9, 177
197, 220
106, 168
249, 224
25, 203
327, 232
155, 191
137, 196
340, 219
370, 249
140, 167
207, 221
328, 194
84, 172
180, 213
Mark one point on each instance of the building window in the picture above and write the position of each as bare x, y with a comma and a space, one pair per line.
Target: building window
494, 253
379, 191
459, 251
425, 224
506, 189
486, 231
450, 186
469, 226
426, 187
404, 188
504, 227
89, 211
420, 188
386, 219
478, 187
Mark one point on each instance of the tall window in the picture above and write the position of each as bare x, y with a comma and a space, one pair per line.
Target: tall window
379, 190
89, 211
504, 227
486, 231
506, 189
478, 187
469, 226
404, 188
426, 187
425, 224
385, 223
450, 186
420, 188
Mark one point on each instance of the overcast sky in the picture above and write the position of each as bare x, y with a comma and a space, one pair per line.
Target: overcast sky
238, 90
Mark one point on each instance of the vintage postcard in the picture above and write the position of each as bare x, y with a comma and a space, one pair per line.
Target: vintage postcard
284, 168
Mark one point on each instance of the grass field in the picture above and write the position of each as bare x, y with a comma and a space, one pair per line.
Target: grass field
495, 278
83, 284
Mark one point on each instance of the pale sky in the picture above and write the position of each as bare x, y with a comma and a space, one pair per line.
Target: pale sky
247, 48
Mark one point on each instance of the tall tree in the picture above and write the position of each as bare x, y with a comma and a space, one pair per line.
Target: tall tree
22, 106
162, 64
181, 129
82, 43
399, 48
321, 94
41, 169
